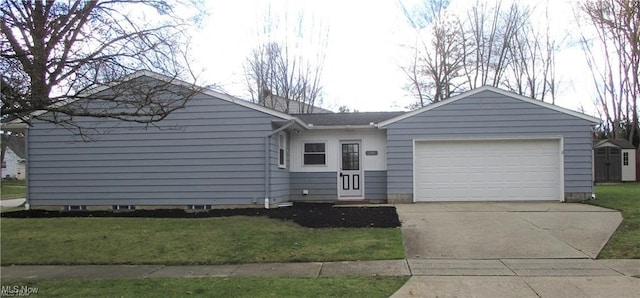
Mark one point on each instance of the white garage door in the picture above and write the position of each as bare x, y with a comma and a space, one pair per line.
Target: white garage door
487, 170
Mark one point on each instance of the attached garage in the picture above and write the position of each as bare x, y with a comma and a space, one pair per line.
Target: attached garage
489, 145
488, 170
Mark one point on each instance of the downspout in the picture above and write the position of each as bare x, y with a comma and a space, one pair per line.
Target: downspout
267, 170
27, 204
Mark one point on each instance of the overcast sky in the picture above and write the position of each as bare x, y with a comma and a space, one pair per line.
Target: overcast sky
365, 49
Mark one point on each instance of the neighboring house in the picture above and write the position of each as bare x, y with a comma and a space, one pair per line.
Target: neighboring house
486, 144
10, 165
614, 161
13, 165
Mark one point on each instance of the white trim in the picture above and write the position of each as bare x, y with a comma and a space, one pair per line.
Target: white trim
608, 143
326, 151
413, 169
494, 138
361, 169
282, 164
372, 139
496, 90
562, 198
560, 139
347, 127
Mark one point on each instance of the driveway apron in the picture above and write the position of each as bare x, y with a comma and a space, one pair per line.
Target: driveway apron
505, 230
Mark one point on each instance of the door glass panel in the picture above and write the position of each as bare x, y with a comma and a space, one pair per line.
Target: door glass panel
356, 182
345, 182
350, 157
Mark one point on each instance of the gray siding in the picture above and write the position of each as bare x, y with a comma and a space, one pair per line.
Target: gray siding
279, 177
488, 114
210, 152
322, 186
375, 185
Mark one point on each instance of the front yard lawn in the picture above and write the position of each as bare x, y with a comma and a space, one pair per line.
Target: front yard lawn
340, 286
625, 243
174, 241
12, 189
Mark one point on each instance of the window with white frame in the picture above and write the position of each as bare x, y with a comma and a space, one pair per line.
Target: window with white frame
315, 154
625, 158
282, 147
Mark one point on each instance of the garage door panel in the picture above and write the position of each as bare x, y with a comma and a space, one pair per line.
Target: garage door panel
487, 170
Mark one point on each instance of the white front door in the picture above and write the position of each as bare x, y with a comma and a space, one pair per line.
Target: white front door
350, 173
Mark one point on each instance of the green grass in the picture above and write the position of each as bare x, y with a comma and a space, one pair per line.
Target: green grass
625, 243
225, 240
12, 189
352, 286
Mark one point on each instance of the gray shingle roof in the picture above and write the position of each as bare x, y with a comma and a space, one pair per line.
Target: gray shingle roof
17, 145
624, 144
340, 119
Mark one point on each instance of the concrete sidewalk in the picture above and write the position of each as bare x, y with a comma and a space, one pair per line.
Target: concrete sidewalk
517, 286
409, 267
313, 269
429, 278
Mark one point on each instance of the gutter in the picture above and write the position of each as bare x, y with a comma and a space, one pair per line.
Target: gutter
319, 127
267, 170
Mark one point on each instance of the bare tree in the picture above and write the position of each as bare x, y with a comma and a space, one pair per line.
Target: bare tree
436, 57
613, 55
346, 109
417, 81
54, 53
282, 73
532, 67
488, 33
446, 62
485, 45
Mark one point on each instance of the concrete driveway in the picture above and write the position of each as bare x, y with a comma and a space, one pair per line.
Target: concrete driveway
487, 230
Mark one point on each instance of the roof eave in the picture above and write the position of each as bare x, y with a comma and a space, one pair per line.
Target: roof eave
14, 125
216, 94
166, 79
593, 120
321, 127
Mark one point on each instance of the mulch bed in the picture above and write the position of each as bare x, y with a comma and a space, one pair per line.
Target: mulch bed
304, 214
